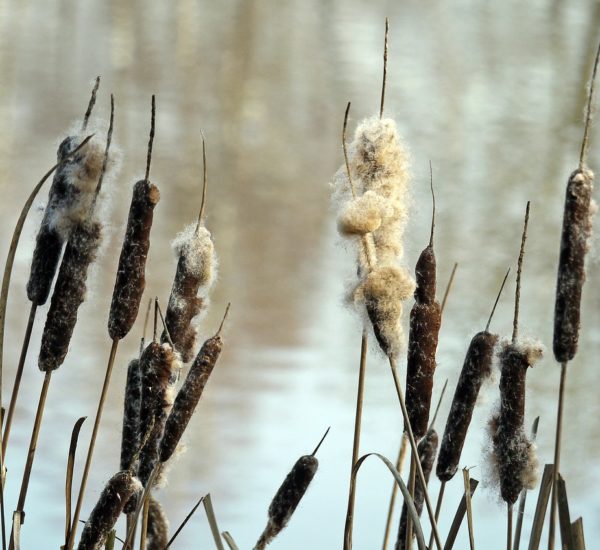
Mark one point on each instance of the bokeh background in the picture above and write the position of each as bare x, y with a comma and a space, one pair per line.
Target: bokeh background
491, 93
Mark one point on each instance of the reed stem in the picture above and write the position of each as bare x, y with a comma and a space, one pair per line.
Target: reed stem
557, 443
356, 441
39, 415
88, 460
438, 507
413, 447
18, 376
411, 490
399, 464
509, 522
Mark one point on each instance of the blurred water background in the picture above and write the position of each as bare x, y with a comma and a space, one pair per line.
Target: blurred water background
491, 93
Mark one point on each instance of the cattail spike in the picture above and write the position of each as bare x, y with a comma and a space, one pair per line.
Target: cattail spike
321, 442
218, 333
448, 287
439, 404
588, 114
108, 142
162, 320
91, 104
204, 183
385, 56
151, 140
433, 201
487, 326
519, 269
345, 148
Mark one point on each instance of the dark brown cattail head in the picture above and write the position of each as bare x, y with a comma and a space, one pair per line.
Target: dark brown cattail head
69, 294
131, 280
287, 498
195, 274
425, 322
157, 536
511, 447
120, 488
130, 438
189, 395
159, 366
574, 244
476, 368
384, 290
427, 449
425, 277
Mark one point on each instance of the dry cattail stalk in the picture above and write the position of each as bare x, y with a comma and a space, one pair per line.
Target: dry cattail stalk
288, 496
427, 451
574, 244
119, 489
157, 536
159, 365
130, 438
189, 395
425, 322
513, 452
131, 281
196, 269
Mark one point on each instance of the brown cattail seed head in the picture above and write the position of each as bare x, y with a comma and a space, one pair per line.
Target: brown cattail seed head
189, 395
158, 526
69, 294
576, 232
425, 277
425, 322
130, 438
195, 274
159, 365
427, 450
511, 446
288, 497
131, 281
476, 368
120, 488
69, 198
384, 290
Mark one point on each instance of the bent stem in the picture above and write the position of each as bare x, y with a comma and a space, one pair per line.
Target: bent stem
90, 453
399, 464
18, 376
554, 500
356, 441
39, 415
415, 452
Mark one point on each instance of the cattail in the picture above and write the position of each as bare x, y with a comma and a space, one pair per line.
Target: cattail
425, 322
289, 495
189, 395
194, 276
574, 244
513, 450
159, 365
196, 269
157, 536
131, 281
427, 450
476, 368
130, 438
69, 294
119, 489
69, 201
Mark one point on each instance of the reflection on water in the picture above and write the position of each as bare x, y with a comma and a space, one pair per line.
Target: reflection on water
491, 95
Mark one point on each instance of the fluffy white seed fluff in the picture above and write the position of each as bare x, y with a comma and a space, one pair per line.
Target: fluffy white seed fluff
198, 251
